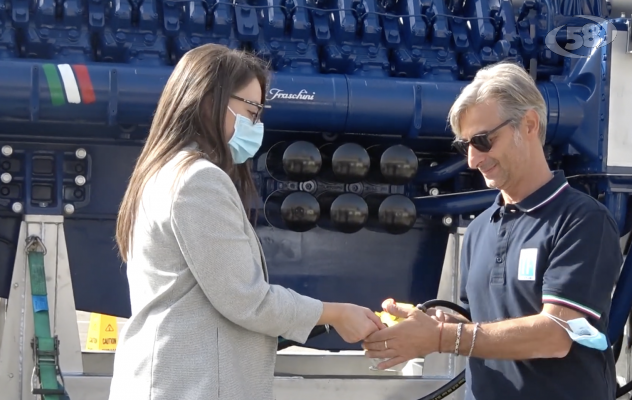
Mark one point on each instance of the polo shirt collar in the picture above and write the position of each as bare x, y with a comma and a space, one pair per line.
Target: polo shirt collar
540, 197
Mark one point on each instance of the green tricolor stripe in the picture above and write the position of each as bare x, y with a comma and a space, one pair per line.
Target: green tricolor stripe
54, 85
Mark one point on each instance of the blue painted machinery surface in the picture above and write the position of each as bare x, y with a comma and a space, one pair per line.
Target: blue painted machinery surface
360, 187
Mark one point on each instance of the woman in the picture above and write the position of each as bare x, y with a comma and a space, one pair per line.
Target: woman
205, 320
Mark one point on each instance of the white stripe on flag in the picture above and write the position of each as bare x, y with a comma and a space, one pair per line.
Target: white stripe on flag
70, 84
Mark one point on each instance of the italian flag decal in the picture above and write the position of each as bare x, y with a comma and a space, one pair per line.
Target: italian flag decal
69, 84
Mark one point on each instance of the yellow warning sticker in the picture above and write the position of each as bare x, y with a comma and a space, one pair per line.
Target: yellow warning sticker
102, 333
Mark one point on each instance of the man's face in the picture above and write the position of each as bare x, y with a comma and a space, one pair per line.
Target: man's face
501, 165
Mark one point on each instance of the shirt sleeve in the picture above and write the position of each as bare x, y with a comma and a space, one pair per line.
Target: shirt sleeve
584, 264
208, 221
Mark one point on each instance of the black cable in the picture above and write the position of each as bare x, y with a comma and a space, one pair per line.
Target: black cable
438, 394
318, 330
456, 382
616, 348
459, 380
624, 389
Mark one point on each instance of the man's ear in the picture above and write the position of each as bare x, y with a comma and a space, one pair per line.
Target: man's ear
531, 123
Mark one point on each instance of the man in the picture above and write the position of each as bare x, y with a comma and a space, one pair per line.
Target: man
542, 254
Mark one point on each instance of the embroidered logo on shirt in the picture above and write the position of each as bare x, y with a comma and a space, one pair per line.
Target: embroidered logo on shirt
527, 264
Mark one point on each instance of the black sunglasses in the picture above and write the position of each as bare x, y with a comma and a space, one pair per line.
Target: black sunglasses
252, 103
480, 141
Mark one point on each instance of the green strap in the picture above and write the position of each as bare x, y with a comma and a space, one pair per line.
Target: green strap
45, 347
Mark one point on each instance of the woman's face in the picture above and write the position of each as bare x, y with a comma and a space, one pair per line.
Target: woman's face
251, 93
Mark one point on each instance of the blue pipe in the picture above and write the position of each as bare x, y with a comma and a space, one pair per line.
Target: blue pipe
458, 203
446, 170
128, 94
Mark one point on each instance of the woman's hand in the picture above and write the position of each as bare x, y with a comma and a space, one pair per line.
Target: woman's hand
353, 323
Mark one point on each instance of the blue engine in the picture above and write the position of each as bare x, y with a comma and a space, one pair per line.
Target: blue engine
360, 187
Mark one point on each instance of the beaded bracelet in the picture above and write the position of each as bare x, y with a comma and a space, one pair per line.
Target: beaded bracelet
458, 338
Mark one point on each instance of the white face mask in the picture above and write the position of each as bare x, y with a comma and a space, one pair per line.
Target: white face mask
582, 332
246, 140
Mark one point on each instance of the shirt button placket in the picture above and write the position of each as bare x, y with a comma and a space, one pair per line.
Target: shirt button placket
498, 270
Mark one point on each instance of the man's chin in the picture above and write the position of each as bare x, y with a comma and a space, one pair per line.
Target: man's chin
491, 183
490, 178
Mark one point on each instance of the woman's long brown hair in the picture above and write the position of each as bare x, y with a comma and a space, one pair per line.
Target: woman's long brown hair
192, 108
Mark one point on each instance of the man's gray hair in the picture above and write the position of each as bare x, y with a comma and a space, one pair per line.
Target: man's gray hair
511, 86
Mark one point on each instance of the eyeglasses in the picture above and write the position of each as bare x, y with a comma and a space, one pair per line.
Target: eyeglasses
252, 103
480, 141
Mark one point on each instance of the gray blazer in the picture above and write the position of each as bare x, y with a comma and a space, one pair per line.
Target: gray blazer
205, 320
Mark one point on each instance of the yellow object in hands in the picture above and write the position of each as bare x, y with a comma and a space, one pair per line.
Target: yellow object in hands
389, 319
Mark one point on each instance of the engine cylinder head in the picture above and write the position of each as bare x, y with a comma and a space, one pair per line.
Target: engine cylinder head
395, 214
346, 213
347, 163
298, 161
294, 211
395, 165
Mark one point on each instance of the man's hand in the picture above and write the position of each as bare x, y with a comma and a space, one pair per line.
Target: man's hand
441, 316
417, 336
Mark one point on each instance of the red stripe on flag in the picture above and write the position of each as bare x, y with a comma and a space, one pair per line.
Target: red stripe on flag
85, 84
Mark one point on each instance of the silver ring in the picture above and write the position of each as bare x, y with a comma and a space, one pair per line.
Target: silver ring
386, 344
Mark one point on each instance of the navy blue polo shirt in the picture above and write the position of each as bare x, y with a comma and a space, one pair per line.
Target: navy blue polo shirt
557, 246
